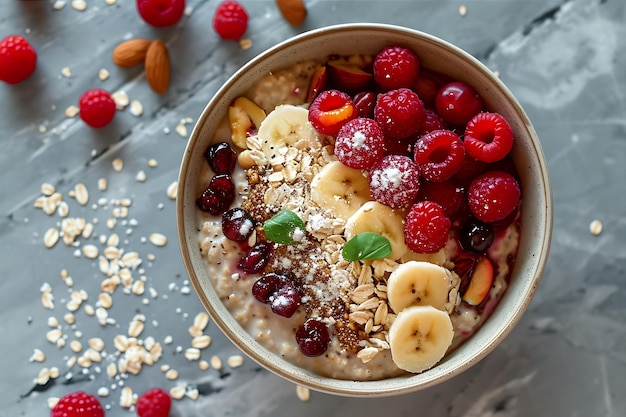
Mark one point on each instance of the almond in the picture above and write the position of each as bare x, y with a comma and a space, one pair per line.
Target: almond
294, 11
158, 67
131, 52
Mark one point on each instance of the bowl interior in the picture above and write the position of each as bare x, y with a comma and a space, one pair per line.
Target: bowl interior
437, 55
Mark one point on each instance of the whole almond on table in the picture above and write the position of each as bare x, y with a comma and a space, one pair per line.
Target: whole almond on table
294, 11
130, 52
158, 66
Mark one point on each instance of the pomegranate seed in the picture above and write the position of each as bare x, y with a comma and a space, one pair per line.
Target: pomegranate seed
313, 338
256, 258
426, 227
400, 113
457, 102
439, 155
488, 137
218, 196
221, 158
394, 181
396, 67
360, 143
493, 196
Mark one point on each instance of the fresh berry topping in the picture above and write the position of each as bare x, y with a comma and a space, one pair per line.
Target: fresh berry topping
218, 196
439, 155
426, 227
237, 224
279, 291
428, 85
475, 236
488, 137
221, 158
154, 403
348, 77
457, 102
161, 13
481, 280
448, 194
493, 196
394, 181
470, 169
96, 107
359, 143
399, 146
256, 257
318, 83
330, 110
365, 102
18, 59
230, 20
396, 67
313, 338
432, 122
77, 404
400, 113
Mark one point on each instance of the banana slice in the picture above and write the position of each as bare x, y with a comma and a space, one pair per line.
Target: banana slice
419, 337
340, 189
418, 283
285, 126
438, 258
379, 218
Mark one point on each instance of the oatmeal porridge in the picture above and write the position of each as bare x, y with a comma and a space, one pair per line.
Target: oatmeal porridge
316, 231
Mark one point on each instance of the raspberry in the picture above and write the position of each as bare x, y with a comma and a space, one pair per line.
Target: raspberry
400, 113
394, 181
161, 13
493, 196
330, 110
448, 194
439, 155
426, 227
488, 137
359, 143
230, 20
428, 85
457, 102
396, 67
18, 59
77, 404
154, 403
432, 122
97, 107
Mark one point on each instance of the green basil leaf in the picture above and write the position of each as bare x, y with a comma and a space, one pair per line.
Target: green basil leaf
368, 245
282, 227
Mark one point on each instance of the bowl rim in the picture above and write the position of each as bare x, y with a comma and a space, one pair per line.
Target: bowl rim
391, 386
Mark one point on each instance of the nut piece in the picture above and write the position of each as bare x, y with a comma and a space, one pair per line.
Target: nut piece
131, 52
158, 67
294, 11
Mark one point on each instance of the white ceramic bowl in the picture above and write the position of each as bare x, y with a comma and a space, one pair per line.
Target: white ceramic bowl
437, 55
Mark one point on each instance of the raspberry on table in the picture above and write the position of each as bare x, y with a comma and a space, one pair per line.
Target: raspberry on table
394, 181
426, 227
330, 110
96, 107
493, 195
230, 21
154, 403
396, 67
400, 113
77, 404
18, 59
160, 13
360, 143
457, 102
439, 155
488, 137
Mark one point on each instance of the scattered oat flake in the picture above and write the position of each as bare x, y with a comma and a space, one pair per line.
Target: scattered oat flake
595, 227
126, 397
203, 365
103, 392
102, 184
172, 190
118, 164
71, 111
141, 176
103, 74
52, 401
157, 239
177, 392
216, 362
82, 195
152, 163
171, 374
80, 5
51, 237
304, 394
90, 251
110, 2
121, 99
66, 72
136, 108
38, 356
462, 10
235, 361
245, 43
181, 129
58, 4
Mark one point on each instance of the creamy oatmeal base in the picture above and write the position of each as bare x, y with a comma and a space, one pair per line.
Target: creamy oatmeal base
350, 297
